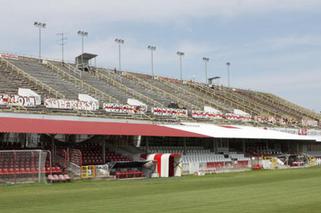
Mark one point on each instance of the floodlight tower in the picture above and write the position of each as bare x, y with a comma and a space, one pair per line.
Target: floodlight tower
40, 26
206, 60
228, 64
82, 34
180, 56
152, 49
119, 42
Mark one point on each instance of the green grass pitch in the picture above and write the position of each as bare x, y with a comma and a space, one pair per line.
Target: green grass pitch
294, 190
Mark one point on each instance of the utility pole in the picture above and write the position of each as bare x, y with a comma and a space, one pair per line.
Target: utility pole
62, 44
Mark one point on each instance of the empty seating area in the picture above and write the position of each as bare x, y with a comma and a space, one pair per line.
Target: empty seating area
198, 156
10, 145
92, 154
204, 158
47, 76
99, 84
178, 96
10, 82
314, 153
177, 149
190, 154
87, 155
25, 163
113, 86
127, 173
239, 157
58, 178
138, 86
263, 150
115, 157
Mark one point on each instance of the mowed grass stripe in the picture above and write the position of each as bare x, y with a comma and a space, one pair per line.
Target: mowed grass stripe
295, 190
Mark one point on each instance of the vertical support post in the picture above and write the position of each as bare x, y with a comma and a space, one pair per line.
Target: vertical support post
243, 146
147, 143
266, 145
14, 163
39, 166
228, 144
53, 146
50, 161
104, 149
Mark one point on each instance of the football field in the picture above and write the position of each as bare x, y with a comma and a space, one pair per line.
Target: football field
294, 190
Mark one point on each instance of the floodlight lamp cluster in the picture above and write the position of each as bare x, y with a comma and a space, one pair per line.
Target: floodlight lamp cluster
119, 41
39, 24
151, 47
180, 53
206, 59
82, 33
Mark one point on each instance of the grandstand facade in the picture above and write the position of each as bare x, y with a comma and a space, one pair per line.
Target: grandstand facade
101, 122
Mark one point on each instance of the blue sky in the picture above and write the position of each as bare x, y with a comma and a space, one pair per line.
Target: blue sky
273, 45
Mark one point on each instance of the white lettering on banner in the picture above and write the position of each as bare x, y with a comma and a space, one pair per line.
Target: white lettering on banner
126, 109
16, 100
70, 104
170, 112
206, 115
306, 122
234, 117
8, 56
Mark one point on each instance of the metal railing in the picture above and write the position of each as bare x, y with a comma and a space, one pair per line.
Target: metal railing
104, 76
72, 69
202, 96
159, 90
233, 102
32, 79
293, 107
81, 83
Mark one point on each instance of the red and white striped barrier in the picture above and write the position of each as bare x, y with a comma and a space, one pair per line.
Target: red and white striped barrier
126, 109
206, 115
170, 112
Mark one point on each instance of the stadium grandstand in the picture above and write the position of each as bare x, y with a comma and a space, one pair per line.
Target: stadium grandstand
62, 121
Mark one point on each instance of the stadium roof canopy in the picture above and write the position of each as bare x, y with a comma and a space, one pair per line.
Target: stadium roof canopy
241, 132
54, 126
87, 126
86, 56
